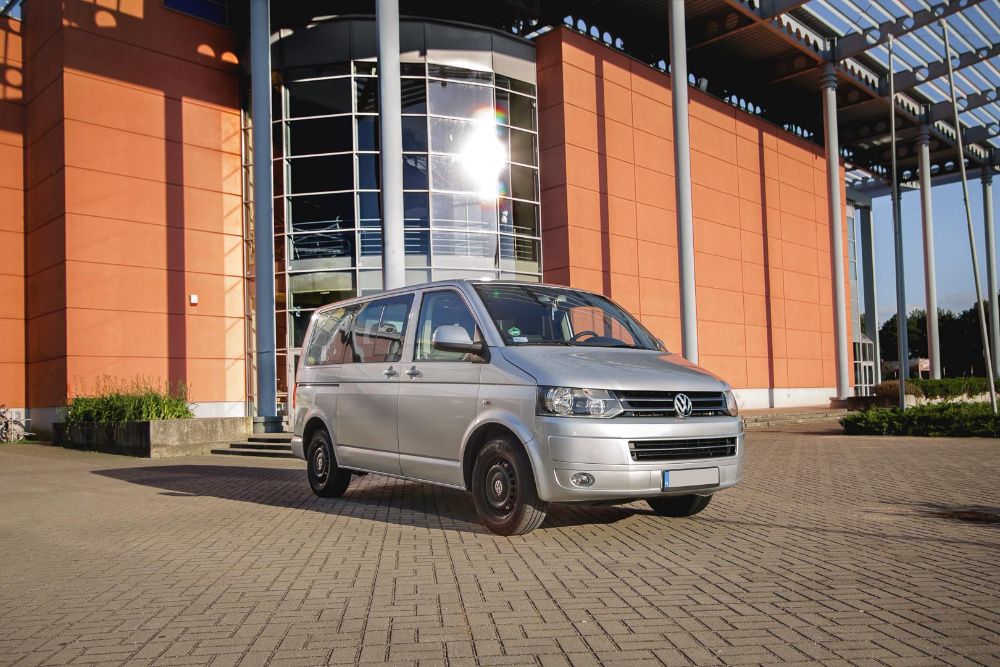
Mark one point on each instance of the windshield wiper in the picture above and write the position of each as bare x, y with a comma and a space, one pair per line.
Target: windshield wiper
548, 342
625, 346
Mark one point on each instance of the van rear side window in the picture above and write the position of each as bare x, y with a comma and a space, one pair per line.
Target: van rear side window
330, 337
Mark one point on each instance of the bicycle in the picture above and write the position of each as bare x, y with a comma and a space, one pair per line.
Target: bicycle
12, 429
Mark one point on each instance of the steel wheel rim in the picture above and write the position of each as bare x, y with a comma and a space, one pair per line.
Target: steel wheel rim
500, 489
321, 463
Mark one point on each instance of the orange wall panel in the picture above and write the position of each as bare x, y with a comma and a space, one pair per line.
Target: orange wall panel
12, 269
762, 263
135, 201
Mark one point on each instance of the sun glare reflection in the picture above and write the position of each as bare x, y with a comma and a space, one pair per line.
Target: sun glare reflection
483, 155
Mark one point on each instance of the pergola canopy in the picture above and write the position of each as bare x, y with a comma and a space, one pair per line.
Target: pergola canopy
768, 55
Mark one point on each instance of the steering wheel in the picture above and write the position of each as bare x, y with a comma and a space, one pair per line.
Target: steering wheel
593, 334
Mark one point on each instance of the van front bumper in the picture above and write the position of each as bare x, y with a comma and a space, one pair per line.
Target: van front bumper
600, 448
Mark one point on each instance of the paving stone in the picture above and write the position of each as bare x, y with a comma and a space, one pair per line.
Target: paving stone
834, 550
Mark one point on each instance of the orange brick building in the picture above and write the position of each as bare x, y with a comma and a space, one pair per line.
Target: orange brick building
124, 191
762, 241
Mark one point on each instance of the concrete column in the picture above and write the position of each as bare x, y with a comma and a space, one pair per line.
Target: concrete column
834, 196
682, 180
391, 141
991, 267
867, 248
263, 207
930, 280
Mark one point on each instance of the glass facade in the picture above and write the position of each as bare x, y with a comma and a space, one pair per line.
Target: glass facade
470, 179
863, 347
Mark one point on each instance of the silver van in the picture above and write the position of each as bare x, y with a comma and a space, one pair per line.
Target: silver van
522, 393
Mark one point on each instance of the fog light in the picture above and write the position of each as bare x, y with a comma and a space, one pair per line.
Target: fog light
582, 479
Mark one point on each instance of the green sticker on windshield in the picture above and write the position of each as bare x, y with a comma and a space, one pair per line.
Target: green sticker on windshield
514, 331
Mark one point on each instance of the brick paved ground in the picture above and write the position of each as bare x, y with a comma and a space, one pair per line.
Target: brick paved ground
835, 550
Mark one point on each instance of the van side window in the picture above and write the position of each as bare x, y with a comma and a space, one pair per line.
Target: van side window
379, 329
320, 350
340, 342
438, 309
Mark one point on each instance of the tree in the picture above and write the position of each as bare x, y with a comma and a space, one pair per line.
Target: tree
959, 339
915, 334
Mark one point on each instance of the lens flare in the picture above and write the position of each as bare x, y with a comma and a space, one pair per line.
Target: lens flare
483, 155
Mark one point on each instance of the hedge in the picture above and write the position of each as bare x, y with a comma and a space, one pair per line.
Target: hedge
891, 388
952, 387
139, 399
934, 419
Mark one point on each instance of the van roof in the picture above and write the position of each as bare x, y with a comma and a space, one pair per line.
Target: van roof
451, 282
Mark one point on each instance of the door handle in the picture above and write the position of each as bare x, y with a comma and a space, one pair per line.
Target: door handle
390, 372
413, 372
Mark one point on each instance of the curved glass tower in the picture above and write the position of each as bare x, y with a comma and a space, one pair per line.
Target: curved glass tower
470, 163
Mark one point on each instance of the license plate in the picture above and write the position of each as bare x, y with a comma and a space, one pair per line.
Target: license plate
679, 479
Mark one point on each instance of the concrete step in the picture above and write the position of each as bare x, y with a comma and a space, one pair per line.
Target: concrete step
791, 417
276, 446
270, 437
234, 450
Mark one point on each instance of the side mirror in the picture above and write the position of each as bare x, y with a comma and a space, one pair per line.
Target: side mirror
453, 338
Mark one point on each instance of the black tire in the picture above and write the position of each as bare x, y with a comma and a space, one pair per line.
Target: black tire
678, 506
326, 478
503, 488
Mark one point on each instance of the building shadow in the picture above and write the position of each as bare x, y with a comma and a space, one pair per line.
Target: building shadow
768, 315
916, 540
974, 514
374, 497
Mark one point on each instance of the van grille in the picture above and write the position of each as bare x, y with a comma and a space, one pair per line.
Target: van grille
661, 403
672, 450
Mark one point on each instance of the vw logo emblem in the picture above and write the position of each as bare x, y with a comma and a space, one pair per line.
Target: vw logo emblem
498, 487
682, 406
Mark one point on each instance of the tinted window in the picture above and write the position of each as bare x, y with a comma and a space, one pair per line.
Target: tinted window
322, 174
319, 98
379, 330
315, 245
320, 135
329, 336
414, 96
366, 95
322, 212
439, 309
448, 98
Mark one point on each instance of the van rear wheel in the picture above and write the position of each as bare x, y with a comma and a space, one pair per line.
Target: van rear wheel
678, 506
326, 478
503, 488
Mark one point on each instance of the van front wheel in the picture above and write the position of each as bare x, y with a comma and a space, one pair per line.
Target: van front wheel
503, 488
326, 478
678, 506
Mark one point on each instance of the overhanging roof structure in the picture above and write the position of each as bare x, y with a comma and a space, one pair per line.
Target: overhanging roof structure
767, 56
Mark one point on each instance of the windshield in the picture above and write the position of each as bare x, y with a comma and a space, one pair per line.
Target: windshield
536, 315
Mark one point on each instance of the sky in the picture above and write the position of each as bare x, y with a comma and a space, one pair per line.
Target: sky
953, 263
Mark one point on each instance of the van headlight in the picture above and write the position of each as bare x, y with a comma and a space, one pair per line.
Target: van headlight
731, 406
569, 402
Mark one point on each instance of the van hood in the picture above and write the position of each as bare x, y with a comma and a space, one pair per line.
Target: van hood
611, 368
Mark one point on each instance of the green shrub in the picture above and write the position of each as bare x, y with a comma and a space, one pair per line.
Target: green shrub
891, 388
936, 419
140, 399
953, 387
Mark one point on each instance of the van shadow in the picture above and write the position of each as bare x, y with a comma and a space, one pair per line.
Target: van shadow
375, 497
